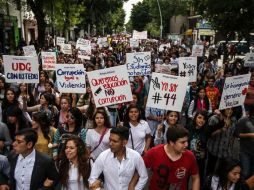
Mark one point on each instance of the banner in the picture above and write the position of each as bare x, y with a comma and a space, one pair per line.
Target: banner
71, 78
66, 48
249, 60
21, 69
134, 43
165, 69
110, 86
84, 54
48, 60
102, 42
30, 51
188, 68
234, 91
60, 41
139, 63
167, 92
139, 35
82, 43
161, 48
197, 50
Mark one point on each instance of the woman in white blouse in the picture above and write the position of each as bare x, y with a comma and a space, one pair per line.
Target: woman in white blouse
140, 132
97, 138
74, 166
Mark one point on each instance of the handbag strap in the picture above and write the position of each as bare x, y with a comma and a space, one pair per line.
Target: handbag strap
132, 144
102, 135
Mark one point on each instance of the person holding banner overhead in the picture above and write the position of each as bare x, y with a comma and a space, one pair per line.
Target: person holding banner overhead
140, 132
97, 138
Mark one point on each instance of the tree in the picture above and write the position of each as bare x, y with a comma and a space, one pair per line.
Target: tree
229, 17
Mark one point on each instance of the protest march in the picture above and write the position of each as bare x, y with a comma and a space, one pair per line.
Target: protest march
160, 91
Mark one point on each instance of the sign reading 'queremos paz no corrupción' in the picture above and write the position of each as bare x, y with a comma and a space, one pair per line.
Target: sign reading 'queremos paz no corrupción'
110, 86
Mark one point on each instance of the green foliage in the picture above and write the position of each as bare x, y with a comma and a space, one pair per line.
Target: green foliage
147, 11
229, 16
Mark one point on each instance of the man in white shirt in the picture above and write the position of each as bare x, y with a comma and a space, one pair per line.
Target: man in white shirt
118, 163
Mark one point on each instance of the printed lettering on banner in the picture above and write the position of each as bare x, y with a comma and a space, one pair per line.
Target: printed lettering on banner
82, 43
234, 91
48, 60
249, 60
30, 51
85, 52
66, 48
134, 43
165, 69
102, 42
21, 69
71, 78
197, 50
60, 41
110, 86
167, 92
139, 63
188, 68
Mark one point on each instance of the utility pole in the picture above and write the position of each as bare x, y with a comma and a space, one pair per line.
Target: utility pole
161, 26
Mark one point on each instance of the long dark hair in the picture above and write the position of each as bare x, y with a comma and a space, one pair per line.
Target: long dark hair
84, 167
43, 120
207, 103
90, 110
127, 118
102, 111
29, 91
204, 113
76, 113
225, 166
6, 103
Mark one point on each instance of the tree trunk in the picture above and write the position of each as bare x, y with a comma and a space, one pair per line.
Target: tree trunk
37, 8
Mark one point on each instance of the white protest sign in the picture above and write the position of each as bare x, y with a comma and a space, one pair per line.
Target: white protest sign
167, 92
188, 68
85, 53
110, 86
102, 42
21, 69
161, 48
30, 51
138, 63
66, 48
71, 78
197, 50
82, 43
134, 43
234, 91
60, 41
48, 60
165, 69
139, 35
249, 60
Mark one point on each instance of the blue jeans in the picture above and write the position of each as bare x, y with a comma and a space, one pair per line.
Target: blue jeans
247, 162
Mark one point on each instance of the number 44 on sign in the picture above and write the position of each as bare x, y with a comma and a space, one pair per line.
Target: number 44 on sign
167, 92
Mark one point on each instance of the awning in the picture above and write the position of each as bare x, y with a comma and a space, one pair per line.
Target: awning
188, 32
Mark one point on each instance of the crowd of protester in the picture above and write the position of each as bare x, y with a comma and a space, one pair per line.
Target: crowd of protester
54, 140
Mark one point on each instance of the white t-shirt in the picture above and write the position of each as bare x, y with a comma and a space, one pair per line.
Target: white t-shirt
139, 133
92, 140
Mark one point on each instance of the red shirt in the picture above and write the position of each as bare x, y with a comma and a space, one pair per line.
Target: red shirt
213, 95
168, 174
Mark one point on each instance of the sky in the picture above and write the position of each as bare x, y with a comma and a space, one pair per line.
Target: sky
127, 7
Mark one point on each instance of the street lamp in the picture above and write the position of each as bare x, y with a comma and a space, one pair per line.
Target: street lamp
161, 26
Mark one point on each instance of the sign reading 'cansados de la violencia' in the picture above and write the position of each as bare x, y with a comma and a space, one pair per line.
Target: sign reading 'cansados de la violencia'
21, 69
110, 86
71, 78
